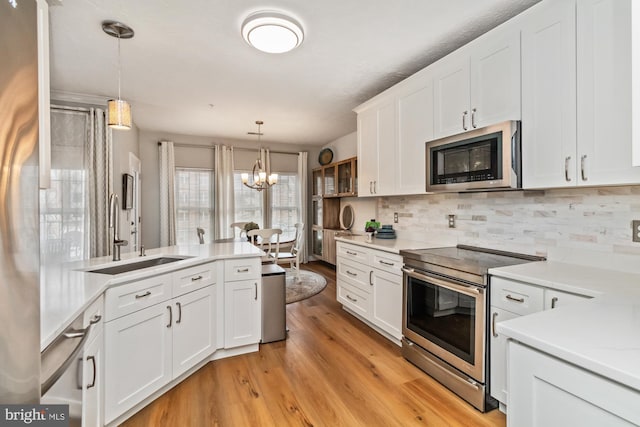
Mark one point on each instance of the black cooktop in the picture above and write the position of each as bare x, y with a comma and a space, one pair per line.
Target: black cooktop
469, 259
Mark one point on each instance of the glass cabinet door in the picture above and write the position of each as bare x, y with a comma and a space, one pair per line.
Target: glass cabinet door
329, 180
316, 244
317, 182
317, 211
345, 177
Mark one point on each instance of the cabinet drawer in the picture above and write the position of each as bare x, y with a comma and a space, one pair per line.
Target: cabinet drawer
134, 296
387, 262
242, 269
355, 273
353, 298
352, 252
193, 278
554, 299
516, 297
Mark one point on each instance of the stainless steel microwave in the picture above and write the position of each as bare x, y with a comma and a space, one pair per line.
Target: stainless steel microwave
488, 158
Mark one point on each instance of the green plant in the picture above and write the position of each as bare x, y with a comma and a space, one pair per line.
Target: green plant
251, 226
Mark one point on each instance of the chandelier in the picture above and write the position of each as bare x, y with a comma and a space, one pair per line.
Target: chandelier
259, 178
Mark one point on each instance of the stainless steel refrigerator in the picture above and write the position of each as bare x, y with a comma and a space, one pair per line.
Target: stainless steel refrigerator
19, 219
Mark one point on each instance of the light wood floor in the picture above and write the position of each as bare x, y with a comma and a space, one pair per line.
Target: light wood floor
331, 371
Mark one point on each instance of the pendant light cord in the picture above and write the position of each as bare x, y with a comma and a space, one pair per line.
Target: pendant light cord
119, 67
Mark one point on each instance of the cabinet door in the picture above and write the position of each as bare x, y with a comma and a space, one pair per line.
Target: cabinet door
415, 128
138, 351
554, 299
495, 79
242, 313
194, 329
546, 391
549, 95
329, 243
498, 359
385, 183
451, 96
367, 150
387, 302
604, 93
93, 386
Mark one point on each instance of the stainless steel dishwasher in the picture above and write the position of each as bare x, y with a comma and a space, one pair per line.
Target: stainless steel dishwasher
274, 323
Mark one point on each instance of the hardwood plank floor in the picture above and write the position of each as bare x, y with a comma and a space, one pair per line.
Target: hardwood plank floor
332, 370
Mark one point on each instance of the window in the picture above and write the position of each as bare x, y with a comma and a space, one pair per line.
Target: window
194, 204
248, 202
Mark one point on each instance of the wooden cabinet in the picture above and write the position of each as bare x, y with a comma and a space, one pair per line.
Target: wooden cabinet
369, 283
337, 179
242, 313
347, 177
478, 85
547, 391
329, 246
511, 299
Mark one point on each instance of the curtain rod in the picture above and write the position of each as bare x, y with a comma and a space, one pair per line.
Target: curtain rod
212, 147
66, 107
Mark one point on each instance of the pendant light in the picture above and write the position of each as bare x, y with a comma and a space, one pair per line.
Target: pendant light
119, 109
259, 179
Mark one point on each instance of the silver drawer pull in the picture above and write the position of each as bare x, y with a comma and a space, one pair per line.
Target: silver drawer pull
352, 253
351, 299
351, 274
509, 297
493, 324
193, 279
97, 318
390, 264
146, 294
242, 270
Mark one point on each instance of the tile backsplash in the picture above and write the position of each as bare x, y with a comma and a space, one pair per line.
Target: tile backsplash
531, 221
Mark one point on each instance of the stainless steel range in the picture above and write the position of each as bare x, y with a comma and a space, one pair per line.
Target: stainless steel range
444, 315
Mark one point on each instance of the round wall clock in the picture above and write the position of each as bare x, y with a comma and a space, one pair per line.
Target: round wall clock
325, 157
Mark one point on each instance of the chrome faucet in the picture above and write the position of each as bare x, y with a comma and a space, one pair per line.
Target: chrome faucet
114, 208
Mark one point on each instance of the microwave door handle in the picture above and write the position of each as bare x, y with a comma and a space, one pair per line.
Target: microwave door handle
471, 291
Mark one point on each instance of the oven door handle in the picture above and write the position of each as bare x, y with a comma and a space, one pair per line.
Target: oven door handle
469, 290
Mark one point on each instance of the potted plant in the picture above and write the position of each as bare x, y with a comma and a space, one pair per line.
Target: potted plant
250, 226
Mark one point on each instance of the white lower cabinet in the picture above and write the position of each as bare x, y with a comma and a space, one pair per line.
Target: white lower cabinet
242, 313
92, 399
369, 283
511, 299
546, 391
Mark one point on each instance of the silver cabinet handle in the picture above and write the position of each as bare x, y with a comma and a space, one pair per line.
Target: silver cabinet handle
256, 289
390, 264
554, 300
193, 279
93, 380
350, 273
146, 294
510, 298
179, 313
473, 118
464, 120
375, 185
351, 299
370, 187
242, 270
566, 169
370, 279
170, 316
582, 168
351, 253
493, 324
95, 319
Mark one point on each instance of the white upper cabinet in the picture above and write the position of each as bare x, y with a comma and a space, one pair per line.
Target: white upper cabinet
478, 85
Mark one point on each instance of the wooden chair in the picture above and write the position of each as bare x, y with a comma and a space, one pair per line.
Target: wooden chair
266, 242
293, 256
239, 226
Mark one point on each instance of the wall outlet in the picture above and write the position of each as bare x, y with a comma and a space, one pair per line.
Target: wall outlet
395, 217
635, 230
452, 221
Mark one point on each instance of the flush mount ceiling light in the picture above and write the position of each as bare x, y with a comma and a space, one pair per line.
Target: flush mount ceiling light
119, 109
272, 32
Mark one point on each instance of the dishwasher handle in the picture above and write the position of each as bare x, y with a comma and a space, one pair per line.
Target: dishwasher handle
83, 334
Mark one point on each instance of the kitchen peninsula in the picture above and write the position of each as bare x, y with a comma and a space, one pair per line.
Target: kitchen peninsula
154, 326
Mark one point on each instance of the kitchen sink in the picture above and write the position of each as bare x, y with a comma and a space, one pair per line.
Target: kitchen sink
133, 266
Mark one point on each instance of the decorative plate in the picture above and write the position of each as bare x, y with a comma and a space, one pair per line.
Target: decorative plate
325, 157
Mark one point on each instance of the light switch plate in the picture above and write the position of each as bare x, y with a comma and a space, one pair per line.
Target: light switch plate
452, 221
395, 217
635, 230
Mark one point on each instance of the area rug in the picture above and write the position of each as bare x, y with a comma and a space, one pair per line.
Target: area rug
305, 286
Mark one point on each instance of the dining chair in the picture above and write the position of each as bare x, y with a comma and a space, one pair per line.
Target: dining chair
269, 245
200, 232
293, 256
239, 226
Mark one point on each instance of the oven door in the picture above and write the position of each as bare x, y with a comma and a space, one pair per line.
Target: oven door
446, 318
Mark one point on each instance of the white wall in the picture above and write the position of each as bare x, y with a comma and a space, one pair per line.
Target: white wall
344, 147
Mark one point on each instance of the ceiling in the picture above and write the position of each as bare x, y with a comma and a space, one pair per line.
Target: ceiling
188, 70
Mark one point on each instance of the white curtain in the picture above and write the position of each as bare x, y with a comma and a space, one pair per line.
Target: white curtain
224, 205
100, 178
302, 178
167, 194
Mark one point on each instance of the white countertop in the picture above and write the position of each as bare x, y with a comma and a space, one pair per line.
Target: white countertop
68, 290
601, 334
391, 245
